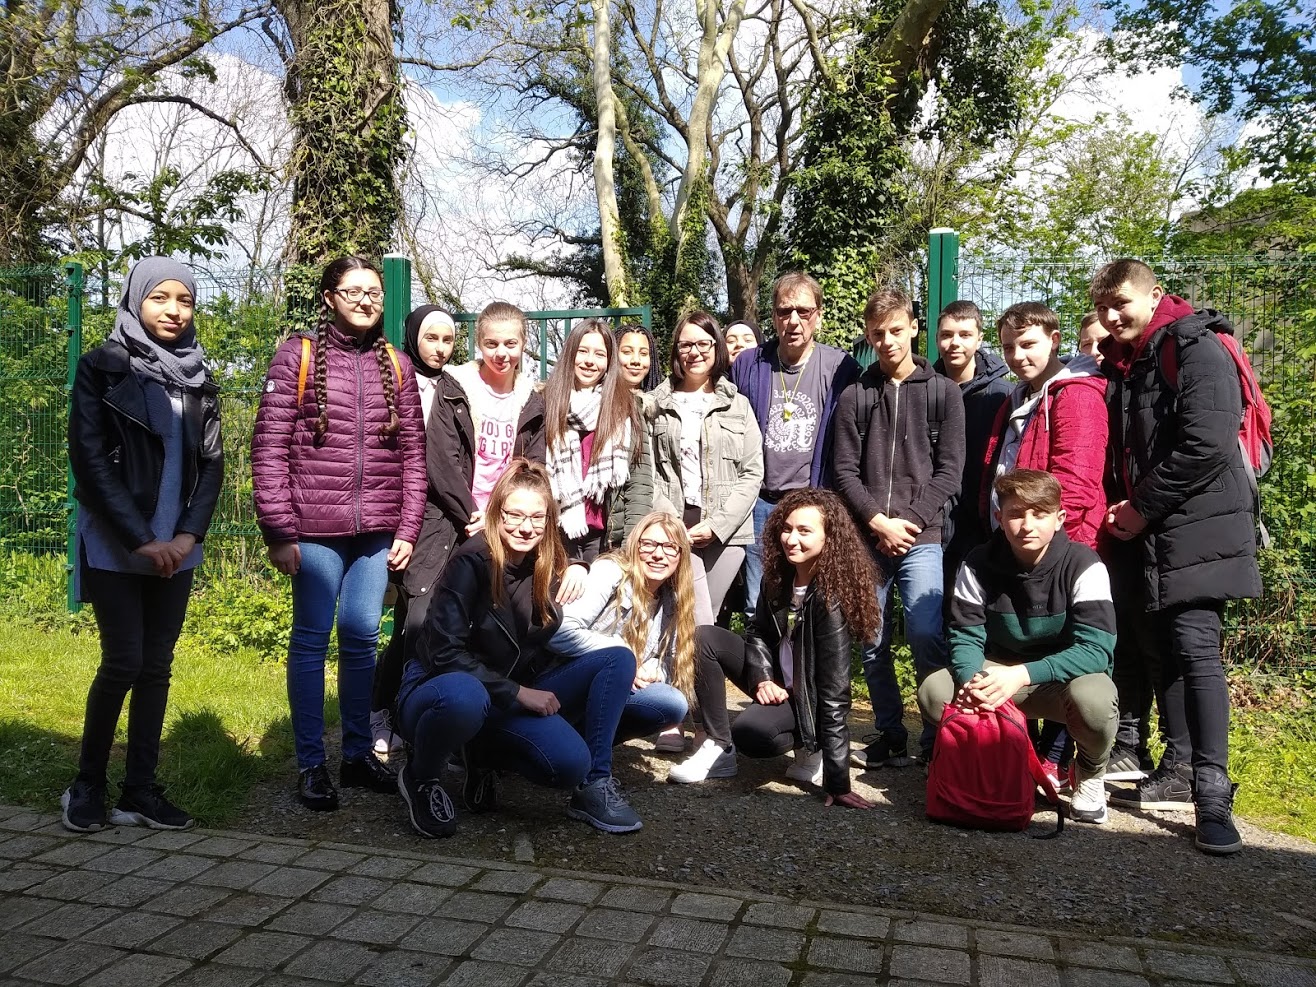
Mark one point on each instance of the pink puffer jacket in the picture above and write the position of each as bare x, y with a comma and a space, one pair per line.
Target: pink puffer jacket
354, 481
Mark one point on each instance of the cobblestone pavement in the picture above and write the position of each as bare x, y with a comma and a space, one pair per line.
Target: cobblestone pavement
131, 908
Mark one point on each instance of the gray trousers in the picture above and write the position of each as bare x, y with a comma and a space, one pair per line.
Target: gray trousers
1087, 706
718, 565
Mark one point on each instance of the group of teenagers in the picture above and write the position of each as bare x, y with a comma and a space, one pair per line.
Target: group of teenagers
560, 552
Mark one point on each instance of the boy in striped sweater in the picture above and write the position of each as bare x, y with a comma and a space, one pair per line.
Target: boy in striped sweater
1031, 619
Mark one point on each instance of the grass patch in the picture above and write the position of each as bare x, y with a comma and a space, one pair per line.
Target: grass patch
226, 728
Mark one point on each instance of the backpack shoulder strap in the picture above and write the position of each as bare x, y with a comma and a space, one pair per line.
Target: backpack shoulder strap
303, 369
393, 358
865, 403
936, 408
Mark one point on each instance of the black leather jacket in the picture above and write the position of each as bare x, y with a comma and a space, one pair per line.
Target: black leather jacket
465, 632
820, 696
117, 461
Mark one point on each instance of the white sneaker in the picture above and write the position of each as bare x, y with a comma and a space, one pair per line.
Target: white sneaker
386, 742
672, 740
1088, 803
709, 761
806, 767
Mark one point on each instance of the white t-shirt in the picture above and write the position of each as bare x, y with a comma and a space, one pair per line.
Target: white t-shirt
786, 653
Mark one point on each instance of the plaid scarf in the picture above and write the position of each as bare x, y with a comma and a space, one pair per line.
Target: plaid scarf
609, 466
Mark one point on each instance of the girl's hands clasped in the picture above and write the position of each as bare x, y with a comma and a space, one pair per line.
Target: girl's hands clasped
770, 694
399, 555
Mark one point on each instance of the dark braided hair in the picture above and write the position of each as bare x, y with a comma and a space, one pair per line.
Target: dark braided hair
333, 275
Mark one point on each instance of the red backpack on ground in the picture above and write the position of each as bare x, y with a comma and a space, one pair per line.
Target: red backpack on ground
984, 770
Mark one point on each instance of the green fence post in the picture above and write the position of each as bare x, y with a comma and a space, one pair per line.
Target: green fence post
943, 281
73, 284
646, 317
397, 297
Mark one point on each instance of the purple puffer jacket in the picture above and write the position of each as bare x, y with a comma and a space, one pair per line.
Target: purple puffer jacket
354, 481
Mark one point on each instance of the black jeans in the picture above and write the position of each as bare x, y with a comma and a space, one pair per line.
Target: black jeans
408, 618
139, 619
760, 731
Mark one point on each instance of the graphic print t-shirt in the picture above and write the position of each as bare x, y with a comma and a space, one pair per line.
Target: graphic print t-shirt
793, 419
495, 416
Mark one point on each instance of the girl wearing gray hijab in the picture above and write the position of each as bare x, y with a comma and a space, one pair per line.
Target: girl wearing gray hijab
148, 462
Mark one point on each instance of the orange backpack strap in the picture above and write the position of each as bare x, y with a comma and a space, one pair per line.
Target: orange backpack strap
397, 367
303, 369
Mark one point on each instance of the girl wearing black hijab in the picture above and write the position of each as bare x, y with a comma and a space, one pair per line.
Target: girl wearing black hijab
428, 341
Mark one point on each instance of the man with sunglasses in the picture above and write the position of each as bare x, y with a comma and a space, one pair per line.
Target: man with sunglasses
792, 381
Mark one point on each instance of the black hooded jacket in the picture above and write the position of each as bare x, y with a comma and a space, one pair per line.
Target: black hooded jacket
983, 396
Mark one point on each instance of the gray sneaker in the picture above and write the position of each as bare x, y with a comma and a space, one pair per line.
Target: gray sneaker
1125, 765
600, 804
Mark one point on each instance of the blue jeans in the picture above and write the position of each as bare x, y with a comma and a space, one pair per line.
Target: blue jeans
754, 557
650, 710
918, 576
559, 751
347, 575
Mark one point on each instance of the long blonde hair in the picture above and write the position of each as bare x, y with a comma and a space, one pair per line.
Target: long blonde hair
550, 556
679, 638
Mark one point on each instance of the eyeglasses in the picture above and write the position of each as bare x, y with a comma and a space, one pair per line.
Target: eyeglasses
515, 519
785, 312
697, 345
669, 548
356, 294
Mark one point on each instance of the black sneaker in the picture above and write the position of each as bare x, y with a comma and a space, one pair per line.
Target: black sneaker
147, 806
431, 811
1214, 801
480, 786
600, 804
1168, 788
368, 771
316, 790
84, 807
882, 751
1125, 765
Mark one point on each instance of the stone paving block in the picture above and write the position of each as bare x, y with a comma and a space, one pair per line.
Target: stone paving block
689, 934
20, 877
283, 980
566, 980
854, 924
756, 942
71, 920
1188, 966
350, 890
289, 882
248, 909
569, 889
21, 909
169, 840
941, 966
388, 868
520, 946
412, 899
475, 973
816, 979
73, 853
311, 918
380, 928
778, 915
739, 973
187, 900
71, 885
449, 875
1020, 944
335, 961
119, 834
1085, 977
264, 950
140, 970
1004, 971
238, 875
545, 916
132, 930
333, 860
851, 955
475, 906
404, 968
218, 976
590, 958
506, 881
636, 899
606, 923
16, 948
9, 811
273, 853
446, 936
122, 860
177, 867
221, 846
69, 963
669, 968
26, 847
712, 906
126, 892
1262, 973
931, 933
24, 820
1107, 956
197, 940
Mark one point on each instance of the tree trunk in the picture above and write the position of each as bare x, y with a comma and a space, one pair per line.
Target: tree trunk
605, 186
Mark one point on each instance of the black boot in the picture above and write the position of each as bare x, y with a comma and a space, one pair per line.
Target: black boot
1213, 797
316, 790
368, 771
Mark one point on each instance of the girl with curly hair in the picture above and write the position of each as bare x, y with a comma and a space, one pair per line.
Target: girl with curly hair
794, 660
643, 597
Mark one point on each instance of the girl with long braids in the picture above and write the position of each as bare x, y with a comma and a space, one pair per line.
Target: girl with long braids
601, 472
794, 660
638, 357
338, 471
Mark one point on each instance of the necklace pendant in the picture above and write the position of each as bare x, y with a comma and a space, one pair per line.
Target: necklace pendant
787, 410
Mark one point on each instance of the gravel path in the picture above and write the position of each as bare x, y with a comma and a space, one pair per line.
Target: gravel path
1135, 876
